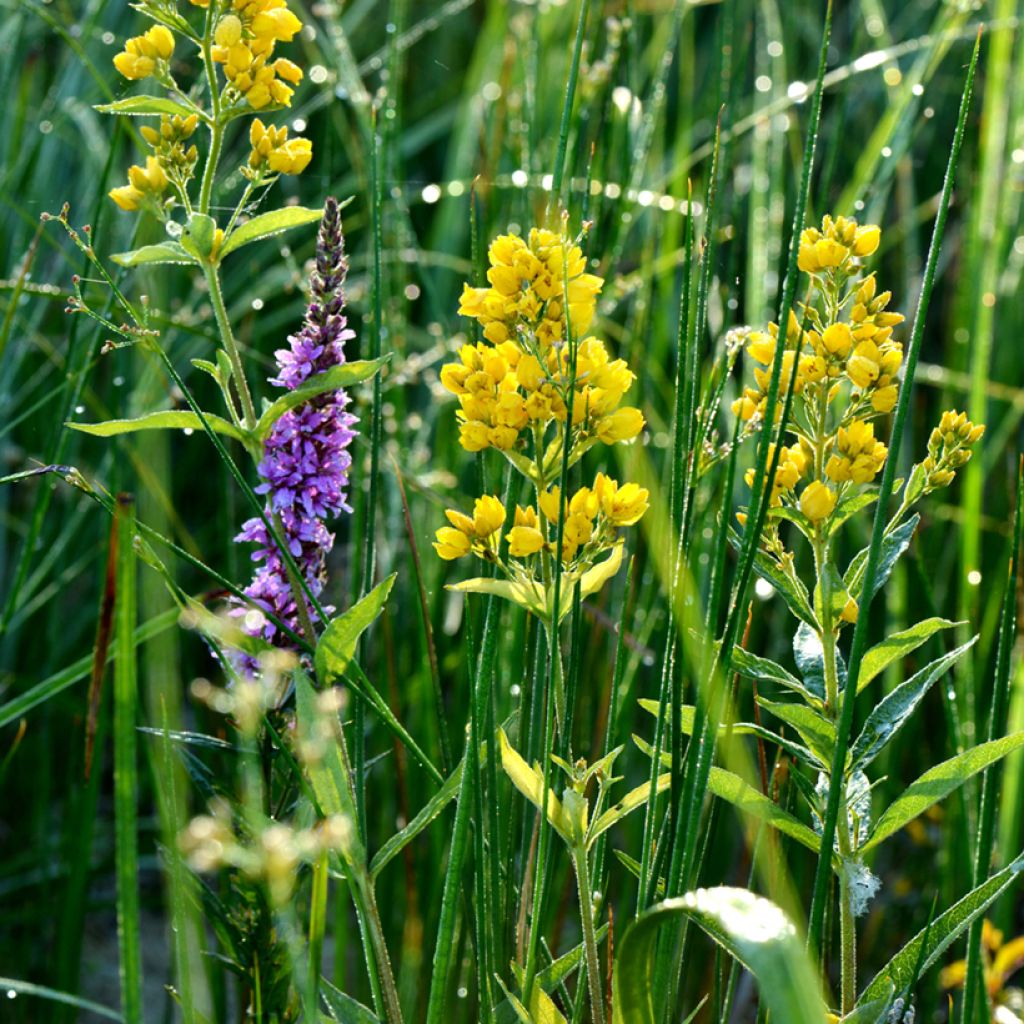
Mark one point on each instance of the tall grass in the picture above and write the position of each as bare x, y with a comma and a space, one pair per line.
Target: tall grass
693, 141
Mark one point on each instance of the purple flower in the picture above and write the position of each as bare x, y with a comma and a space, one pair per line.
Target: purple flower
306, 461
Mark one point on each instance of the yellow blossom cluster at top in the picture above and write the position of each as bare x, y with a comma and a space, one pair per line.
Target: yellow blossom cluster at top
846, 363
242, 37
519, 378
539, 388
245, 38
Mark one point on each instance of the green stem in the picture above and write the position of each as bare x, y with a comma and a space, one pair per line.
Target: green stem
579, 860
847, 939
230, 345
216, 126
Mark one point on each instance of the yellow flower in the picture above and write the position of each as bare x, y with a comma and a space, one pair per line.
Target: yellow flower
863, 367
144, 184
622, 425
488, 516
817, 501
838, 339
142, 54
451, 543
524, 541
623, 505
858, 457
866, 240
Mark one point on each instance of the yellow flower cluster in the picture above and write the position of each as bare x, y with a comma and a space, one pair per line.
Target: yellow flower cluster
791, 468
835, 244
145, 185
245, 38
592, 515
858, 455
273, 151
176, 159
520, 376
949, 448
844, 344
147, 54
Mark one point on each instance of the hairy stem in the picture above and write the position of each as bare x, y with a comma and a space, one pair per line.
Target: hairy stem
579, 861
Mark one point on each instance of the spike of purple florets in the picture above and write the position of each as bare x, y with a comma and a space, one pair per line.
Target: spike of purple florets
305, 466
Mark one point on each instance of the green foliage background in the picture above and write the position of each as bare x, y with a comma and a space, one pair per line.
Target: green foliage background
467, 96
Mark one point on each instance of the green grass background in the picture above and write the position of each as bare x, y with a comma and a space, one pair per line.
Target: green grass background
468, 97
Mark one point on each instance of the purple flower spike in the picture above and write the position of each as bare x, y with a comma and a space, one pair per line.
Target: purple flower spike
305, 465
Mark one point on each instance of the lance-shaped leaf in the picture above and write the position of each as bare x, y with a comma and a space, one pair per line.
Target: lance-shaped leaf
334, 379
635, 798
888, 716
167, 419
937, 783
875, 1012
810, 660
161, 252
793, 592
141, 105
266, 225
337, 645
434, 806
893, 545
815, 730
343, 1008
750, 928
929, 944
850, 507
896, 646
765, 670
530, 782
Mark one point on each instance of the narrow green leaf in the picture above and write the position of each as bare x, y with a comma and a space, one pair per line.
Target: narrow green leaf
334, 379
810, 660
731, 788
52, 995
434, 806
343, 1008
166, 419
141, 105
530, 782
126, 771
749, 928
937, 783
888, 716
793, 592
337, 644
893, 545
929, 944
765, 670
815, 730
630, 802
897, 646
265, 225
161, 252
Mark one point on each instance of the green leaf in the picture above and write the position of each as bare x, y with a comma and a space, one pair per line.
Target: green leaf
167, 419
750, 928
731, 788
595, 577
875, 1012
793, 592
342, 1008
28, 988
928, 945
266, 225
337, 644
137, 106
630, 802
530, 782
896, 646
816, 731
334, 379
850, 507
888, 716
197, 236
937, 783
162, 252
434, 806
810, 660
893, 545
765, 670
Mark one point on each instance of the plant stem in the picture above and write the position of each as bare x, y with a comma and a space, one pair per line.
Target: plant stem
230, 345
579, 860
216, 126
